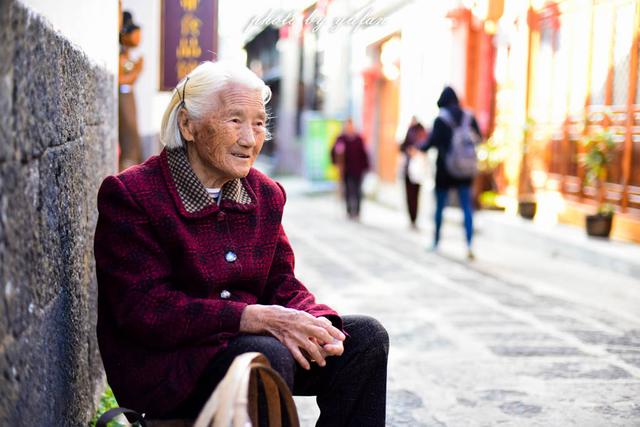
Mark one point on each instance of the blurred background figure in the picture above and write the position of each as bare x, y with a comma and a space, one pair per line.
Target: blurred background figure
416, 134
350, 156
452, 120
129, 70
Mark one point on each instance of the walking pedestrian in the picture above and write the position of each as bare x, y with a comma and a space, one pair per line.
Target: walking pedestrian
455, 133
416, 134
350, 155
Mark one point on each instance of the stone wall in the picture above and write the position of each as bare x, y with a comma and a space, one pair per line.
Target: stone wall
58, 139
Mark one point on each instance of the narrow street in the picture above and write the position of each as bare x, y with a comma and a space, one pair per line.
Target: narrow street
520, 336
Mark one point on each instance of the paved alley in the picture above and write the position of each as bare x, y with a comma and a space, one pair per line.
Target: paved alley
519, 337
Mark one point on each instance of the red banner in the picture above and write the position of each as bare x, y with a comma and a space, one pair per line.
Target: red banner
188, 36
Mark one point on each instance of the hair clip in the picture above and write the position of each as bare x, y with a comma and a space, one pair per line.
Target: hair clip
184, 89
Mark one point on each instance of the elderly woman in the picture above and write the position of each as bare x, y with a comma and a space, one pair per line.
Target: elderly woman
194, 268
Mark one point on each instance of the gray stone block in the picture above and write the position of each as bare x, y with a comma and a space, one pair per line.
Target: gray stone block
22, 256
535, 351
6, 82
58, 143
520, 409
56, 88
45, 374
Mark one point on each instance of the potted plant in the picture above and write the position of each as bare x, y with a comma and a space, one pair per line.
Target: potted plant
598, 153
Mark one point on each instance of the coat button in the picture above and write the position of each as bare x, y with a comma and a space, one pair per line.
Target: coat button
230, 256
225, 294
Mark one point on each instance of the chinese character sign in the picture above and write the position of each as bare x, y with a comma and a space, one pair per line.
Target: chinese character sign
189, 36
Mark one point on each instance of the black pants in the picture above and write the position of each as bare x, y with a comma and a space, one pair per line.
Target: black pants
353, 194
351, 389
413, 191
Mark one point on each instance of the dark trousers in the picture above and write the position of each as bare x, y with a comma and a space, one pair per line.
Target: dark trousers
353, 194
413, 191
351, 389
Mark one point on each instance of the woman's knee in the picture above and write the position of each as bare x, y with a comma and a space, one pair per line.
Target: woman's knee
367, 332
279, 356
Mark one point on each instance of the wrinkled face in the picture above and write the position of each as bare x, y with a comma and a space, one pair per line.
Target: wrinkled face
228, 140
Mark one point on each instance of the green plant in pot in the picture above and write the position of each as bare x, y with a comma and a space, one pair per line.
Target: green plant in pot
598, 155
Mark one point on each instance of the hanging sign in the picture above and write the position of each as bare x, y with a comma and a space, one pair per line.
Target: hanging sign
188, 36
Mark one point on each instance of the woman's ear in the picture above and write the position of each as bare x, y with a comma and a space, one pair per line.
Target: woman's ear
185, 125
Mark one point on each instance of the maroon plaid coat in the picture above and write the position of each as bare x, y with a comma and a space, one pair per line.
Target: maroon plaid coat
175, 271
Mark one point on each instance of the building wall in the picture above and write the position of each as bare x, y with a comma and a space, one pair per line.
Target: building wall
150, 100
289, 152
567, 51
57, 141
336, 63
428, 61
85, 24
512, 57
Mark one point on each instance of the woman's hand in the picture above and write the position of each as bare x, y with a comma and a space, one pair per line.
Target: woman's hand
299, 331
333, 348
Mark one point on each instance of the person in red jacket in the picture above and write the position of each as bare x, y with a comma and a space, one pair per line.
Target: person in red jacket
350, 155
194, 268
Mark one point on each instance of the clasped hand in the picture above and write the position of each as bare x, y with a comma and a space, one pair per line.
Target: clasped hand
308, 338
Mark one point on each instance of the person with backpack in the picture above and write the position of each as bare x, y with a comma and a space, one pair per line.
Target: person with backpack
455, 134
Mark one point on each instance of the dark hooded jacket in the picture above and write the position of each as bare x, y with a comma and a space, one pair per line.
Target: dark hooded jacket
440, 138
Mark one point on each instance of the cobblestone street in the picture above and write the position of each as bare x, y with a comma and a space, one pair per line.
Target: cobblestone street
519, 337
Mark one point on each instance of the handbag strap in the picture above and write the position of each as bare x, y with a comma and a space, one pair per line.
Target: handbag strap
253, 398
272, 394
236, 397
276, 389
221, 403
108, 416
231, 392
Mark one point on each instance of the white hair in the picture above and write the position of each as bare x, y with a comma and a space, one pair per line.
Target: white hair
197, 91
